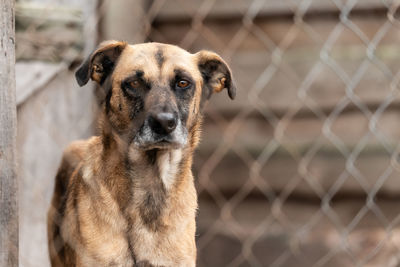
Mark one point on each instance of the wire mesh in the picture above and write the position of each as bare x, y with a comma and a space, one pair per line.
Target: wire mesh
302, 168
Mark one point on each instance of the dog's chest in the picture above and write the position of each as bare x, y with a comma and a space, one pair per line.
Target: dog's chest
163, 220
150, 229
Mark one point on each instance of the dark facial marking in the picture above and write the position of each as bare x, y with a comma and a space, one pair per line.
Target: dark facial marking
183, 75
135, 95
139, 73
160, 58
137, 107
183, 96
129, 91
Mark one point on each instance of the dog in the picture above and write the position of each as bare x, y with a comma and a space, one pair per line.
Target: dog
127, 196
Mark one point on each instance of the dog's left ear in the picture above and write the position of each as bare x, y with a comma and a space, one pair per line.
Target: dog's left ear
216, 74
99, 65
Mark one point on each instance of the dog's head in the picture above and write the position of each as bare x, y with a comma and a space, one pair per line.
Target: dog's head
155, 92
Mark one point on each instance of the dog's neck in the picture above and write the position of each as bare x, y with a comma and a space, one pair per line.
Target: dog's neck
168, 163
163, 164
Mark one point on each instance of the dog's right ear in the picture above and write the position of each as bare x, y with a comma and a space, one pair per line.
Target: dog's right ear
100, 64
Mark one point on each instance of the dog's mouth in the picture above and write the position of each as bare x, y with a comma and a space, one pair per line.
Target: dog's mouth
161, 144
146, 139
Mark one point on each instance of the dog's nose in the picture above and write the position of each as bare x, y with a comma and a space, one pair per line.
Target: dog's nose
163, 122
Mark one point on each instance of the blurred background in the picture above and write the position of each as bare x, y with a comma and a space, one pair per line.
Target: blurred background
301, 169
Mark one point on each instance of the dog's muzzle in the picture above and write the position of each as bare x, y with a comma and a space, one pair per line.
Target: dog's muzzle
162, 130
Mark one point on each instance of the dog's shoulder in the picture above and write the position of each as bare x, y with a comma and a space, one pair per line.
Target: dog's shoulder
75, 151
73, 155
78, 150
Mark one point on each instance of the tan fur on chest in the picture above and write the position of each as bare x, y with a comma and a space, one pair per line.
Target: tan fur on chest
103, 228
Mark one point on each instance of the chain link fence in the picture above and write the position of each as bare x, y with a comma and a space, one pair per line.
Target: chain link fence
302, 169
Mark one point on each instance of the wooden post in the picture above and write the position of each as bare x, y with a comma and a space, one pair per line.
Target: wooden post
8, 174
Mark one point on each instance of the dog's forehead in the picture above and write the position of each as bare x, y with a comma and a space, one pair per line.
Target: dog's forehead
154, 59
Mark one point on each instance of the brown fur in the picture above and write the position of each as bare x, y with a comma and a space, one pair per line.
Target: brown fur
115, 204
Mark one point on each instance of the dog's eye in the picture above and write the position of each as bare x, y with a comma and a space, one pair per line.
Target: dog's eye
183, 84
135, 84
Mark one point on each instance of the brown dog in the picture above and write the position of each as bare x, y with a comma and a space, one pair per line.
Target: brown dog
127, 197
